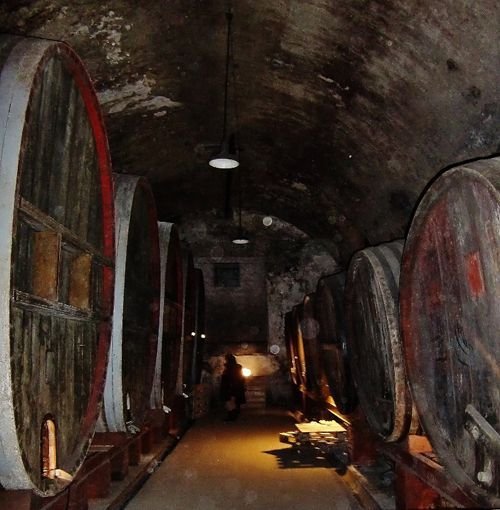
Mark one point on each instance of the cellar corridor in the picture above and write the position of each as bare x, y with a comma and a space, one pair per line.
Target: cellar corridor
290, 206
231, 465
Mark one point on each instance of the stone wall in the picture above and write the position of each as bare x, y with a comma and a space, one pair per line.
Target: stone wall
278, 267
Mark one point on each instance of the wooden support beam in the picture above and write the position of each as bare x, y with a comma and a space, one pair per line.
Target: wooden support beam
412, 493
20, 500
95, 475
363, 441
146, 441
116, 444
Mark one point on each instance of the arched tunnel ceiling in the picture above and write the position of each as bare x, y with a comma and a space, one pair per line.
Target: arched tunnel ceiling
346, 107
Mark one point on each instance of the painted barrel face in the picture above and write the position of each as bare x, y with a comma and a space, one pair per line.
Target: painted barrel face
136, 305
374, 340
56, 262
330, 314
167, 354
310, 330
450, 317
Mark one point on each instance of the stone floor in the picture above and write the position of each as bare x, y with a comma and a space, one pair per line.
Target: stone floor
232, 465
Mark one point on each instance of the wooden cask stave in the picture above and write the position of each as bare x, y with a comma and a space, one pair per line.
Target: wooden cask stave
132, 355
374, 341
169, 340
450, 302
56, 262
332, 335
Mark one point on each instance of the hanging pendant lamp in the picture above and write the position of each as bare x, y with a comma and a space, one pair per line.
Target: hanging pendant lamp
227, 156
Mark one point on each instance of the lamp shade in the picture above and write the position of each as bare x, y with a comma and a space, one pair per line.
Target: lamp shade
241, 239
225, 159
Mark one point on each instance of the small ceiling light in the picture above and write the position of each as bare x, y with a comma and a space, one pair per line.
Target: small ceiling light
203, 336
246, 372
227, 156
267, 221
241, 239
193, 333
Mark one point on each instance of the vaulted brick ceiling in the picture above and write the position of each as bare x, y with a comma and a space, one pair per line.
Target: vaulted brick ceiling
346, 107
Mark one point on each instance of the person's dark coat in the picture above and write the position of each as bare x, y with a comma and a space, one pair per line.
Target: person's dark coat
232, 382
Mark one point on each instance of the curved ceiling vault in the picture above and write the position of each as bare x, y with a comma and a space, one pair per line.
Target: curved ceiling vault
346, 107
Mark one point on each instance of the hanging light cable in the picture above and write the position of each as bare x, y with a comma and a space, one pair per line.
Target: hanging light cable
227, 157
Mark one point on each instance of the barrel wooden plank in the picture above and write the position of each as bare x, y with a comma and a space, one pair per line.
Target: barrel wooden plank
52, 351
136, 305
330, 314
374, 341
450, 302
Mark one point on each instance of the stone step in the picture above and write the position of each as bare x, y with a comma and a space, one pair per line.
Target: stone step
256, 393
255, 397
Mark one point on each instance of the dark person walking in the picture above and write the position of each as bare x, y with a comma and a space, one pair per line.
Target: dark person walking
232, 388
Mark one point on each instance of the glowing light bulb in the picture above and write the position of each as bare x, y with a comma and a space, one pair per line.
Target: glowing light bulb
246, 372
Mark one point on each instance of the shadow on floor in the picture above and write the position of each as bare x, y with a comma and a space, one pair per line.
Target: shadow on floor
293, 457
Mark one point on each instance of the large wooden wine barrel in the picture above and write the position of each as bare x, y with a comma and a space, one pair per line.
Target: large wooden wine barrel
450, 317
56, 262
169, 335
316, 382
132, 356
374, 340
332, 335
